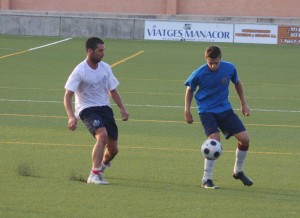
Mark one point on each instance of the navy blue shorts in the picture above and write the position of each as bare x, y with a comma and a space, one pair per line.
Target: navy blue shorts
227, 122
98, 117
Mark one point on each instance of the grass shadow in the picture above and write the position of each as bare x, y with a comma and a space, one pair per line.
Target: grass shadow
24, 169
77, 177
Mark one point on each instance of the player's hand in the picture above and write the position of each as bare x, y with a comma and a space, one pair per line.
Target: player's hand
72, 123
124, 115
245, 110
188, 117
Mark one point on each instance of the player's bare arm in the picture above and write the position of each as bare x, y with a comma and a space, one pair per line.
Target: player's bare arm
188, 101
117, 99
72, 122
244, 107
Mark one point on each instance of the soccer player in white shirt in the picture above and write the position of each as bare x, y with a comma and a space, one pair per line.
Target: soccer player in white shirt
93, 82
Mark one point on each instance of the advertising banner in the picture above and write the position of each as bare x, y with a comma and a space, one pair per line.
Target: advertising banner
289, 35
188, 31
251, 33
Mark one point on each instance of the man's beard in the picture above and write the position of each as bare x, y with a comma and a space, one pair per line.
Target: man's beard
95, 60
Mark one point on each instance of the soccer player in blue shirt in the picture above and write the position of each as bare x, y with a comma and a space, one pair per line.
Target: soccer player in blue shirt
211, 83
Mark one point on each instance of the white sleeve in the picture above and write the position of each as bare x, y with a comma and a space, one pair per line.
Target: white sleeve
73, 81
112, 80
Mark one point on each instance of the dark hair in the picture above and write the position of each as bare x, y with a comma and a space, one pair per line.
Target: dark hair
91, 43
213, 52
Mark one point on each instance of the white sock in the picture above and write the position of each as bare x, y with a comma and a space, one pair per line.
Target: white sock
208, 169
240, 157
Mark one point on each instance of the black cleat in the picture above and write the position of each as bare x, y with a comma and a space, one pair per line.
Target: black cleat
241, 176
208, 184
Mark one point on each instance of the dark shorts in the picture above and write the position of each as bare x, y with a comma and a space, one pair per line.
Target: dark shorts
227, 122
98, 117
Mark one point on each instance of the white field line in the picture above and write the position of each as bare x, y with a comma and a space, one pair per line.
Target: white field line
149, 105
155, 93
30, 101
32, 49
53, 43
138, 147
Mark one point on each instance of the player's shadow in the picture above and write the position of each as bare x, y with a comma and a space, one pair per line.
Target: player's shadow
153, 184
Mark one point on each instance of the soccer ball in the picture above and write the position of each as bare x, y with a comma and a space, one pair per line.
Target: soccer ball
211, 149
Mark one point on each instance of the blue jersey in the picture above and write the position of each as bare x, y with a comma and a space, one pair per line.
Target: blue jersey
213, 87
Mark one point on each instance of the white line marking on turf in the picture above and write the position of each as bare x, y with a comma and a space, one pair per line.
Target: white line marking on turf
53, 43
29, 100
151, 121
31, 49
140, 147
149, 105
154, 93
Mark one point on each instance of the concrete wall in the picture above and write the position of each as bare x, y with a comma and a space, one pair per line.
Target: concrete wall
105, 26
255, 8
125, 18
29, 25
71, 26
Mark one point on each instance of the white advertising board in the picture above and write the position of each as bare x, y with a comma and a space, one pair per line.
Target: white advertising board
251, 33
188, 31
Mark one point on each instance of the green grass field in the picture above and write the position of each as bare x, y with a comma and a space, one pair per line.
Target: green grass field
157, 173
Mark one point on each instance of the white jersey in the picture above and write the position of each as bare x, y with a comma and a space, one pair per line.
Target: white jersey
91, 86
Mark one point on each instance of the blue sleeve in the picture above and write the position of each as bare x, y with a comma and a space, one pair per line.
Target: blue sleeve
192, 81
235, 77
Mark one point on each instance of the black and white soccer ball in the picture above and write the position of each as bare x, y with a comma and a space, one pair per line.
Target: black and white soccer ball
211, 149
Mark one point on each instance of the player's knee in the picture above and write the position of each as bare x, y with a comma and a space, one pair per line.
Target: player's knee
245, 141
244, 144
242, 147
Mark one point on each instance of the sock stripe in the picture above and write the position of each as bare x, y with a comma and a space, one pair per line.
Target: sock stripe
96, 172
